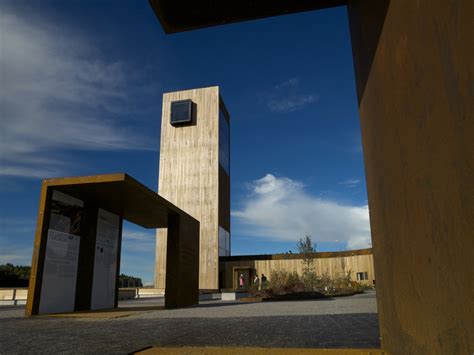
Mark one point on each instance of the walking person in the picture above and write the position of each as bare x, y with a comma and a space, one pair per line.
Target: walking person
241, 281
256, 282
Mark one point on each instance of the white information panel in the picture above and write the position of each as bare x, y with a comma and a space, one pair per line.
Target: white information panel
105, 261
58, 290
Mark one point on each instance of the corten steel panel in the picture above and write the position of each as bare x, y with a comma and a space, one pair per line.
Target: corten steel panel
414, 73
39, 252
182, 273
119, 194
415, 85
85, 267
178, 16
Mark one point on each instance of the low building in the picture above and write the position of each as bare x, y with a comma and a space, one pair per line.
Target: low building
359, 263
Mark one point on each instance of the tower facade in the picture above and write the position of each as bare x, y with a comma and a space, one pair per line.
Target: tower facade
195, 175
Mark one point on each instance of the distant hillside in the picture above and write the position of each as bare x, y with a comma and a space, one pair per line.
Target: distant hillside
19, 275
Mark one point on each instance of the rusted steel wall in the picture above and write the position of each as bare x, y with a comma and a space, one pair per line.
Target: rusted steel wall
414, 70
182, 262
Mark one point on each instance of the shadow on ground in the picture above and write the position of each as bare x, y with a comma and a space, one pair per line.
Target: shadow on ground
124, 335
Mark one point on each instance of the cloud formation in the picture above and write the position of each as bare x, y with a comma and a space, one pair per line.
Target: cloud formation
279, 209
12, 249
139, 241
286, 97
138, 252
350, 183
57, 92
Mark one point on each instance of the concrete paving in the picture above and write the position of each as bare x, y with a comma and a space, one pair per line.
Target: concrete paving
347, 322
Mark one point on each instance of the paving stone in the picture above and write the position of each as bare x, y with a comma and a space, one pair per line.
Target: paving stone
349, 322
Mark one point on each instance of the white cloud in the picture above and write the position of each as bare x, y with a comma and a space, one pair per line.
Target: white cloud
13, 248
57, 93
279, 209
290, 82
286, 97
16, 256
139, 241
138, 253
350, 183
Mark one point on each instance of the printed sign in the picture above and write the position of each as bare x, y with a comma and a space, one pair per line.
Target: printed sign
58, 290
105, 261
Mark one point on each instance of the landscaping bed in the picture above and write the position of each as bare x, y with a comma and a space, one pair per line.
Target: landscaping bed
286, 286
298, 296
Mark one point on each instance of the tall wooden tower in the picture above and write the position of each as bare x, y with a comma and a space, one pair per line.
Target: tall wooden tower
195, 175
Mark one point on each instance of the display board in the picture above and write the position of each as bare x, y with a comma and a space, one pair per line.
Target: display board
105, 261
58, 290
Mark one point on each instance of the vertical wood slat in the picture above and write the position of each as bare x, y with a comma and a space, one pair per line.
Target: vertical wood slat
333, 266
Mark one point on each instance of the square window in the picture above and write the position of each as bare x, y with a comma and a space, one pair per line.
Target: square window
181, 112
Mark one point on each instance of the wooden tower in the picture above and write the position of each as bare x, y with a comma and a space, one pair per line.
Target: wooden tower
195, 175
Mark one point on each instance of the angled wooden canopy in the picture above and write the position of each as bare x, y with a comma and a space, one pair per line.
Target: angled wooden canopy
178, 16
128, 199
120, 194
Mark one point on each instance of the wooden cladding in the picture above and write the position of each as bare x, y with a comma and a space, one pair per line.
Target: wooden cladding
189, 178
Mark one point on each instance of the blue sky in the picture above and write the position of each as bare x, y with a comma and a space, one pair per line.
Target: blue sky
81, 86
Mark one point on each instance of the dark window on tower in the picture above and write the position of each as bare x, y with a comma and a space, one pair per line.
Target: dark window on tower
362, 276
224, 142
181, 112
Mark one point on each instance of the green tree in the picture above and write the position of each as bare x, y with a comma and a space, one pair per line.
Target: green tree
308, 251
14, 275
129, 281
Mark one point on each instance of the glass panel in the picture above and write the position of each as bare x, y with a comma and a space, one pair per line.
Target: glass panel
227, 244
224, 143
181, 111
224, 242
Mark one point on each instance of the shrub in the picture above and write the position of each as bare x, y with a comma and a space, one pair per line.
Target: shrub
253, 289
277, 282
283, 282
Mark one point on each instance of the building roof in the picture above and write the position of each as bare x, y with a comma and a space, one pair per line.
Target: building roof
177, 16
288, 256
120, 194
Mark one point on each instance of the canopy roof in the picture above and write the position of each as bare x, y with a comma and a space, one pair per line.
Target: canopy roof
177, 16
119, 194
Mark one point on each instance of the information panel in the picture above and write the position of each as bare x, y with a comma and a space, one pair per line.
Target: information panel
58, 290
105, 261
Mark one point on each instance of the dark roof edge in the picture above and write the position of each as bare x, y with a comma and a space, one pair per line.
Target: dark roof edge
325, 254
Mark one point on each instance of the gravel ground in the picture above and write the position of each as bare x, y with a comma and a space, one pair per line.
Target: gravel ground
342, 322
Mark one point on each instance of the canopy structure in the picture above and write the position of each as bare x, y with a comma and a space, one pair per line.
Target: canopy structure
76, 255
175, 16
414, 71
120, 194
